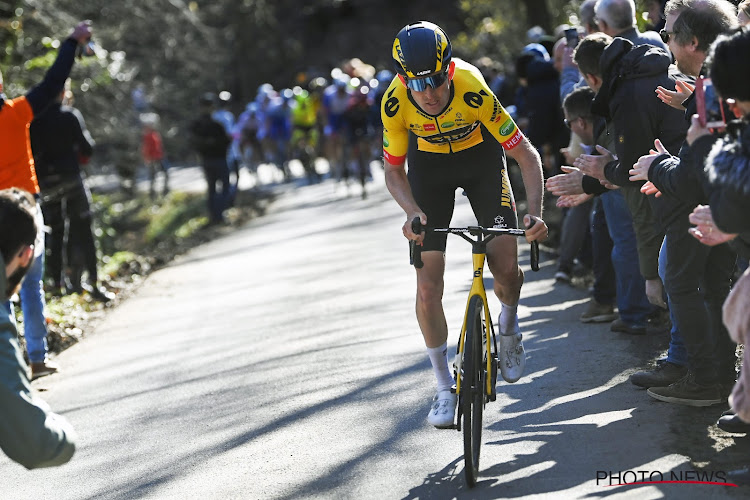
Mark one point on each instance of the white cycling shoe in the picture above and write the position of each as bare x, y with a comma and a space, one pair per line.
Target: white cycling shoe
443, 409
512, 356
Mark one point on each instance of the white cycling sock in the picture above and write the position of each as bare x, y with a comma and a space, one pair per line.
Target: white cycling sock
508, 320
439, 360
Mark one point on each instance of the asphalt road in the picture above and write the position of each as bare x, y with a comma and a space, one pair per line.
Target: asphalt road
284, 361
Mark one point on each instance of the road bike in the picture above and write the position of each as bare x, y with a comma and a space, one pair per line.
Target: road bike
475, 368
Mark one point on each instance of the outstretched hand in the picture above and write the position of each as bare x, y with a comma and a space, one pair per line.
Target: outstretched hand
573, 200
675, 98
593, 165
640, 170
567, 183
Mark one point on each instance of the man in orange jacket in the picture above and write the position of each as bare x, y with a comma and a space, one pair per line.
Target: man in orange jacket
17, 170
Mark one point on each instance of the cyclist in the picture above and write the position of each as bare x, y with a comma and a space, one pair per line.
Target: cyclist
304, 141
456, 123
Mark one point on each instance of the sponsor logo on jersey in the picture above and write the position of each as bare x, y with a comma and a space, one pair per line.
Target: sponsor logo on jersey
390, 108
513, 141
429, 127
473, 100
507, 127
385, 141
454, 136
448, 124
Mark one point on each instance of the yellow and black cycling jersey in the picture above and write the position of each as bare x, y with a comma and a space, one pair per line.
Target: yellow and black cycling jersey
456, 128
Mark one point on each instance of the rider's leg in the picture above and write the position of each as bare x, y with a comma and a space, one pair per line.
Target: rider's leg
434, 328
502, 260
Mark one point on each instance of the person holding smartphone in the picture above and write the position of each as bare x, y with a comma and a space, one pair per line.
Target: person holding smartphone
697, 278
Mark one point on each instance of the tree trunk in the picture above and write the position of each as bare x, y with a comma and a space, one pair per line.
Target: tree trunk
537, 14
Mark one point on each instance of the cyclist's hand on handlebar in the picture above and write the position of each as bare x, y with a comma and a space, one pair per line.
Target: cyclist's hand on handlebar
536, 229
407, 229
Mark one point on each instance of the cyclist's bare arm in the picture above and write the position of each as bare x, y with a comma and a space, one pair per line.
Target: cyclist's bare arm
533, 181
398, 186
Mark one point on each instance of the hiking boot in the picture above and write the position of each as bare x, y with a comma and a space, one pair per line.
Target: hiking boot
42, 369
598, 313
734, 424
687, 391
664, 374
443, 409
620, 326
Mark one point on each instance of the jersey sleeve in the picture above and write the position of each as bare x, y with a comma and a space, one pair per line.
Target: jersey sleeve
493, 116
395, 133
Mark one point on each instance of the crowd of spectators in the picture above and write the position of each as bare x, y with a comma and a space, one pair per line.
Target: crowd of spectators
653, 198
679, 185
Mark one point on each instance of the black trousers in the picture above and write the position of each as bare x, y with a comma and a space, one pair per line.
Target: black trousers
697, 281
70, 243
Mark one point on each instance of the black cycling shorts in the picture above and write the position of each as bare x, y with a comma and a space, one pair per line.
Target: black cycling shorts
481, 171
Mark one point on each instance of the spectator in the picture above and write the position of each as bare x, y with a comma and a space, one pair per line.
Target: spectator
211, 141
30, 433
59, 142
225, 116
580, 119
152, 152
17, 170
538, 102
697, 278
620, 204
655, 14
616, 18
728, 169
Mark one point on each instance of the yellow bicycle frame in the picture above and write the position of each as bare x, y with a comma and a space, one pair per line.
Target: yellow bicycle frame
477, 288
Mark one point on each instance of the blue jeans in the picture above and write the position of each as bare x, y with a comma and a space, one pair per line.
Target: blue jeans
32, 307
631, 287
677, 353
605, 290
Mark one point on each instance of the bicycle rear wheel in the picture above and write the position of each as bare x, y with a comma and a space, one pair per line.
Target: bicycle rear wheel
472, 388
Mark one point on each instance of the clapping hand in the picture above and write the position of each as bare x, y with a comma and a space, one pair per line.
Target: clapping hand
568, 183
705, 229
675, 98
593, 165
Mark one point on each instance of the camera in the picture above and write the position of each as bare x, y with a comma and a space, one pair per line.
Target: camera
86, 50
571, 36
710, 108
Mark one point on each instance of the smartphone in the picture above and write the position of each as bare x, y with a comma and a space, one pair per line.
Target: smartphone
710, 108
571, 36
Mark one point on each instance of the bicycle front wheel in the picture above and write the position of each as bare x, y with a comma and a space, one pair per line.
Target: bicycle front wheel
472, 388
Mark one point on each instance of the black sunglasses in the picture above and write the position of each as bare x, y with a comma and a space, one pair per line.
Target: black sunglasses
568, 122
664, 34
